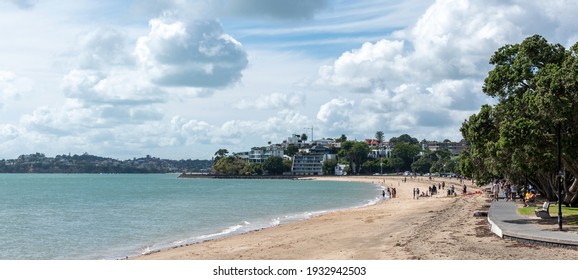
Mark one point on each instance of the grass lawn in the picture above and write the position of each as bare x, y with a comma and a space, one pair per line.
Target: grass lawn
569, 214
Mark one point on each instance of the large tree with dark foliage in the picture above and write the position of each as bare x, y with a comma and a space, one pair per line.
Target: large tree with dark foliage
536, 86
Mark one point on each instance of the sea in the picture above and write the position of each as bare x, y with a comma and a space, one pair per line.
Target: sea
112, 216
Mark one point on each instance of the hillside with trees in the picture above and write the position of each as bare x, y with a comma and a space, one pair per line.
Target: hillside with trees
86, 163
406, 155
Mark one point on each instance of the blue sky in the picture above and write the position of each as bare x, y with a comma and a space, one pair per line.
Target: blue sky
182, 79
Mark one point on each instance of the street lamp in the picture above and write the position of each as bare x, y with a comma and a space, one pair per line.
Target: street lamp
560, 176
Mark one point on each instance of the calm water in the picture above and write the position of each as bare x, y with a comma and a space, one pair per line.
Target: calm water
91, 216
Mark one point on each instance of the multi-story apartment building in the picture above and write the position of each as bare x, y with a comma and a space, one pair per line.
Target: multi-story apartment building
454, 147
260, 154
309, 164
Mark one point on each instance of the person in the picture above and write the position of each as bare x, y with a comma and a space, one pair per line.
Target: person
513, 192
417, 193
530, 197
496, 191
393, 192
383, 194
522, 193
507, 192
465, 189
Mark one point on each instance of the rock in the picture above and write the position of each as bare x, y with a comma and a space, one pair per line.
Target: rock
480, 213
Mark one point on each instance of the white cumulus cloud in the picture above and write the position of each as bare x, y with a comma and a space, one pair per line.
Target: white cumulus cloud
190, 54
273, 101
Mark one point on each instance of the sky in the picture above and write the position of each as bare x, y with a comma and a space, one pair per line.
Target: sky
181, 79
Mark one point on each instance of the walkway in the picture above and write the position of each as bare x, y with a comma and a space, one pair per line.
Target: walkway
507, 223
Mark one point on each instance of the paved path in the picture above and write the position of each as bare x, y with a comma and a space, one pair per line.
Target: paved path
507, 223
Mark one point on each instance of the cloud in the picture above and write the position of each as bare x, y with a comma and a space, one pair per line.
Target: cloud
13, 87
452, 40
337, 115
203, 9
272, 101
190, 54
114, 88
427, 77
369, 67
280, 9
8, 132
25, 4
104, 48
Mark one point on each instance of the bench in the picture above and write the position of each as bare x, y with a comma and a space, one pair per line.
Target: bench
544, 211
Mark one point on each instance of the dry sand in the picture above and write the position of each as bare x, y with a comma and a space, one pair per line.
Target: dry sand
402, 228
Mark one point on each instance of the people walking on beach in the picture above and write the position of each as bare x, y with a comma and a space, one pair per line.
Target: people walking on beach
417, 193
383, 194
413, 193
393, 193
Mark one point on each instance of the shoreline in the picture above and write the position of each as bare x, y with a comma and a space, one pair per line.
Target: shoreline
290, 218
205, 249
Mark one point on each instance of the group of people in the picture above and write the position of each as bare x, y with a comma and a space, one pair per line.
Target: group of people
388, 192
511, 192
417, 193
432, 190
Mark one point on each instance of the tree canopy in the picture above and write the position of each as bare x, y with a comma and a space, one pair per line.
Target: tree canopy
536, 86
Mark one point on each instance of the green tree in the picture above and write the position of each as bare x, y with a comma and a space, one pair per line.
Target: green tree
287, 165
341, 139
422, 165
379, 137
291, 150
356, 154
274, 165
536, 84
404, 138
329, 166
230, 165
251, 168
394, 164
220, 153
406, 152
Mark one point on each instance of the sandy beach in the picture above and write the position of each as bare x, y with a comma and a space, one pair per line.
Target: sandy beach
402, 228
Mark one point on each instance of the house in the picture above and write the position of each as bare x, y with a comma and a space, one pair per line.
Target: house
454, 147
340, 169
294, 140
260, 154
378, 150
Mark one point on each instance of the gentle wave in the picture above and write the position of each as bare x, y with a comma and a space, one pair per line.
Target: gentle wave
246, 226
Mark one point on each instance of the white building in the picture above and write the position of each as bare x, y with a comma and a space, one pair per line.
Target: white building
260, 154
340, 169
309, 164
454, 147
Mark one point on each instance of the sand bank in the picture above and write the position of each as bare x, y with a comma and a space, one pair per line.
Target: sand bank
362, 233
403, 228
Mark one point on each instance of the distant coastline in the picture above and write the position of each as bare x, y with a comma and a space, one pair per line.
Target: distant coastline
219, 176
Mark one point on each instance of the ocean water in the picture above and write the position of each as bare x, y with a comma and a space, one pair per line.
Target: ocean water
110, 216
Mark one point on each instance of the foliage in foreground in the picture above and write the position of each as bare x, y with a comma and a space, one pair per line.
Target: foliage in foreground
536, 85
